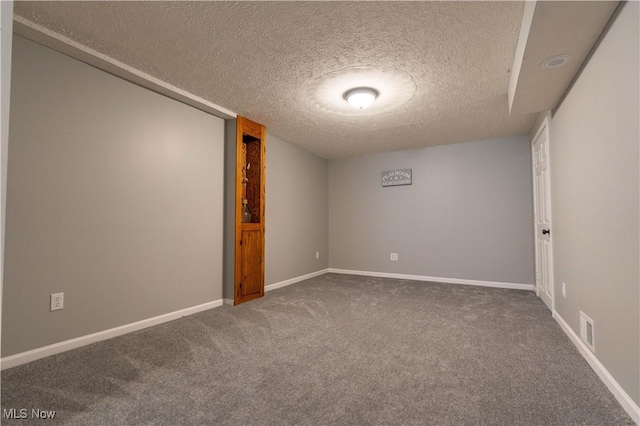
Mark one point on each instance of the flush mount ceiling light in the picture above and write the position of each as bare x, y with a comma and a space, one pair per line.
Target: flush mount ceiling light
555, 61
361, 97
383, 88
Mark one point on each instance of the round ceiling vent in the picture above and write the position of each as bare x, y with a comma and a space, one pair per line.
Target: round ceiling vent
391, 87
555, 61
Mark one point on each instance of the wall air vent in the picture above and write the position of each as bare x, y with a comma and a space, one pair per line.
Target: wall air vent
586, 331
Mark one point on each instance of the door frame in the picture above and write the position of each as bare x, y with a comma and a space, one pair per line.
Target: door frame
544, 127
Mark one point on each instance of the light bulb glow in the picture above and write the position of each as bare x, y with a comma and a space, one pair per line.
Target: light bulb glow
361, 97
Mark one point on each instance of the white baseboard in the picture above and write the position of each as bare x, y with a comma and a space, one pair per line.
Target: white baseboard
614, 387
228, 301
56, 348
497, 284
295, 280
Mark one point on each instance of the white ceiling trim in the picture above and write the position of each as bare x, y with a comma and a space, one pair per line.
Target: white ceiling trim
35, 32
525, 28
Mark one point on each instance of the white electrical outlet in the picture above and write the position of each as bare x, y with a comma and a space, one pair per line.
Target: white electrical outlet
564, 290
57, 301
587, 334
394, 256
317, 255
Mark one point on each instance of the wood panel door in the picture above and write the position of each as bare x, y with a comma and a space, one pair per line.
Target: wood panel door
542, 216
251, 283
250, 192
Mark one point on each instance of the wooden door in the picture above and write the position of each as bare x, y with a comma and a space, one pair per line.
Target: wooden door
250, 189
251, 283
542, 216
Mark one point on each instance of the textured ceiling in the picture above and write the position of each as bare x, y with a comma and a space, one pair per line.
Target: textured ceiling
261, 59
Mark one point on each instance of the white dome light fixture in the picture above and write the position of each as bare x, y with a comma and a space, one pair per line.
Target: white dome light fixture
361, 97
391, 88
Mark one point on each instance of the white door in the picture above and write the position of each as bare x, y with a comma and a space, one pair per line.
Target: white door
542, 216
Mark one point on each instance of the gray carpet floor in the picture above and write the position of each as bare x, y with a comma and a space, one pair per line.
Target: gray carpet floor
335, 349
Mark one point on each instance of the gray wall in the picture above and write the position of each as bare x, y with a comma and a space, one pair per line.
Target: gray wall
6, 37
229, 248
6, 30
114, 197
296, 212
468, 214
595, 187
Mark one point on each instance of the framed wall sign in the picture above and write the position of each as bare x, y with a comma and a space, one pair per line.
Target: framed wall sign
396, 177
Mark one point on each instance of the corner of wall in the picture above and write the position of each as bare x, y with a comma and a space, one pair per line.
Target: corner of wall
229, 248
542, 115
